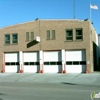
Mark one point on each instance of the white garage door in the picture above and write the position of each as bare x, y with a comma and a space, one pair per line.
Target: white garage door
52, 62
11, 62
76, 61
31, 62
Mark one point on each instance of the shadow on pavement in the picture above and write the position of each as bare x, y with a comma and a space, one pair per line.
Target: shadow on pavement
1, 94
89, 85
69, 83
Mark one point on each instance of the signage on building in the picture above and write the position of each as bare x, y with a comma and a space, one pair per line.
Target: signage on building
37, 38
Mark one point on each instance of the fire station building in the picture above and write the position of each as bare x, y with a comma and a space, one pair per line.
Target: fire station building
49, 46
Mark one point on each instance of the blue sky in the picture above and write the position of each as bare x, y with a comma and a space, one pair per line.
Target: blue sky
18, 11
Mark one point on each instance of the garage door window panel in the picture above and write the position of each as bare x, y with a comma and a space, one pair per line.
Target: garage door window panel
36, 63
46, 63
53, 63
69, 63
59, 63
13, 63
32, 63
17, 63
7, 63
75, 62
82, 62
26, 63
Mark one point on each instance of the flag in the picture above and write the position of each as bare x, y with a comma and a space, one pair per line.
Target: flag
94, 7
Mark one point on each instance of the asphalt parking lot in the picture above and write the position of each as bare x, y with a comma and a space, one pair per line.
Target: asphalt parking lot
92, 78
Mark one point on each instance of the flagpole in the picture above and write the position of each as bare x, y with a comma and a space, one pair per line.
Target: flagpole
74, 9
90, 12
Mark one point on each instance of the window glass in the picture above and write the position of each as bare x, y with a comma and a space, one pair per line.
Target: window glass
36, 63
7, 38
46, 63
14, 38
17, 63
59, 63
75, 62
32, 36
48, 35
26, 63
27, 36
82, 62
69, 63
53, 63
7, 63
69, 38
53, 34
69, 35
79, 35
31, 63
12, 63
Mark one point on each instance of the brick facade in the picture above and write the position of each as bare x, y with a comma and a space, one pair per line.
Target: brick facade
40, 28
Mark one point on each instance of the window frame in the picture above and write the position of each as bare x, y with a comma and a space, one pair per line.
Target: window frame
53, 34
69, 36
7, 40
14, 39
48, 35
32, 35
27, 36
79, 29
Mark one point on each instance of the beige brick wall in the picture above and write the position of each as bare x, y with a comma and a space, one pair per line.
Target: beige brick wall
39, 28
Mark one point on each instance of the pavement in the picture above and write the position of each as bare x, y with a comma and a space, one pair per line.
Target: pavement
91, 78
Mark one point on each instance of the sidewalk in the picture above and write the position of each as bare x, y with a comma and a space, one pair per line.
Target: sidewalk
92, 78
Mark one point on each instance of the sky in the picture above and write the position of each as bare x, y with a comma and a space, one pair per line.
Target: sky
19, 11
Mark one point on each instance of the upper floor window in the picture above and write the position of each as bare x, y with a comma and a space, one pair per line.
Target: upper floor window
7, 38
79, 34
14, 38
53, 34
69, 35
48, 34
29, 36
32, 36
